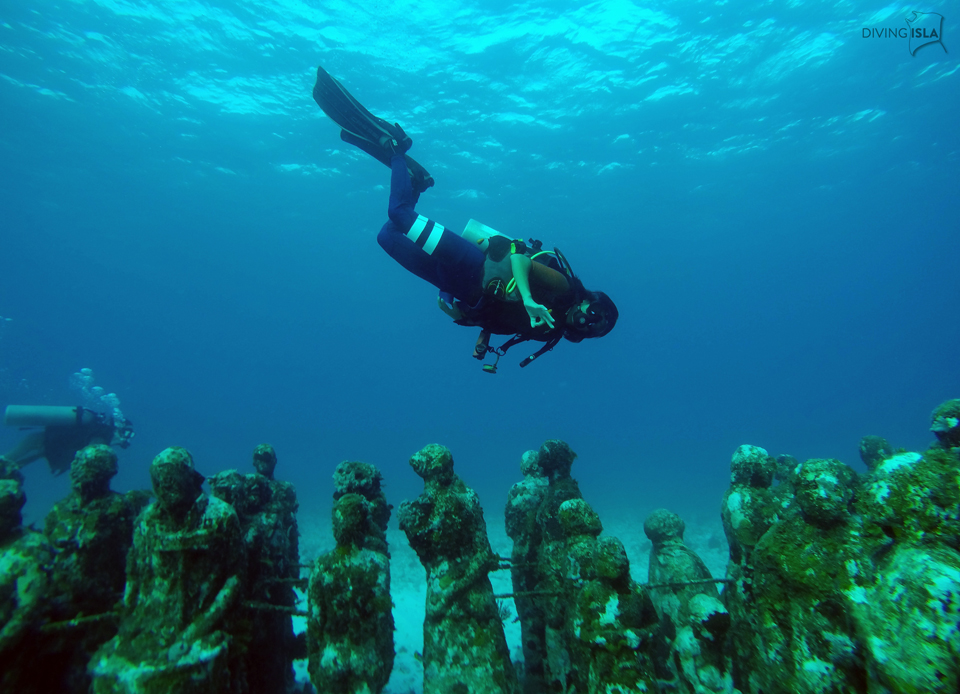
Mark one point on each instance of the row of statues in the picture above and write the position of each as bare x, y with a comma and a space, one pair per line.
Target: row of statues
191, 592
837, 581
586, 625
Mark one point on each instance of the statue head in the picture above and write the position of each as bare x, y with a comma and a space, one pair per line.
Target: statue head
265, 460
91, 472
175, 481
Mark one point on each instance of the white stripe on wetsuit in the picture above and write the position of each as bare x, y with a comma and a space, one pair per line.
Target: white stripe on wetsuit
433, 238
417, 228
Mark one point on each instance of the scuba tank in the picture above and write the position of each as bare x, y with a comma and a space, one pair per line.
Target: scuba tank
498, 280
47, 415
497, 272
479, 234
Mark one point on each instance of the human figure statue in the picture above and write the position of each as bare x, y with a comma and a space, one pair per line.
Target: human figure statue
607, 617
463, 639
750, 506
539, 561
617, 639
693, 621
185, 576
25, 558
91, 532
266, 508
350, 625
523, 527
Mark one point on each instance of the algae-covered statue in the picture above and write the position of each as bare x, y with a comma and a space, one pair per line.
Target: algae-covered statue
693, 621
945, 424
609, 618
463, 639
25, 558
750, 506
905, 585
540, 555
266, 508
184, 580
874, 450
585, 624
791, 630
522, 525
854, 585
91, 531
350, 622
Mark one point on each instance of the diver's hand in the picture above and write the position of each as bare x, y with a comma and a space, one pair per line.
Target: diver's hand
539, 314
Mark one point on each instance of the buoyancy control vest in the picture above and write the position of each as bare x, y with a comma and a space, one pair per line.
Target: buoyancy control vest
500, 311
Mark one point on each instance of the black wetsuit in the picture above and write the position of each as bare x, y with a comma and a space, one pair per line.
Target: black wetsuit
455, 266
443, 258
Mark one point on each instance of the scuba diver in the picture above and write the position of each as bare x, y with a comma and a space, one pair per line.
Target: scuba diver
503, 286
65, 431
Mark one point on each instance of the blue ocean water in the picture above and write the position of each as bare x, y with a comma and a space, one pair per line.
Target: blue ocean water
771, 199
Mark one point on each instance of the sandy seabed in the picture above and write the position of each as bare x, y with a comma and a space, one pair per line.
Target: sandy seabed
409, 588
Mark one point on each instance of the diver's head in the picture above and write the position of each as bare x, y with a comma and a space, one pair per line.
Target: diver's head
594, 316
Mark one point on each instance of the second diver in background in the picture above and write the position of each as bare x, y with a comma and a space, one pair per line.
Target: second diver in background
504, 286
62, 431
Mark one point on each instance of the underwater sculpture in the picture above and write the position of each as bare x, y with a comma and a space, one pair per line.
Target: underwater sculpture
25, 559
839, 582
463, 639
874, 450
185, 577
266, 508
540, 547
750, 506
91, 532
693, 621
945, 424
855, 584
522, 512
609, 618
350, 619
585, 625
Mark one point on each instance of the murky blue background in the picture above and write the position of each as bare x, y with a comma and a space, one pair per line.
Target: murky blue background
771, 200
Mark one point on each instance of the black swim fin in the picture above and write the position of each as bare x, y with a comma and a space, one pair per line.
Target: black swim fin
362, 129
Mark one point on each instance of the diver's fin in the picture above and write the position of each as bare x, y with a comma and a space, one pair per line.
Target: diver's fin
362, 129
334, 100
419, 177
